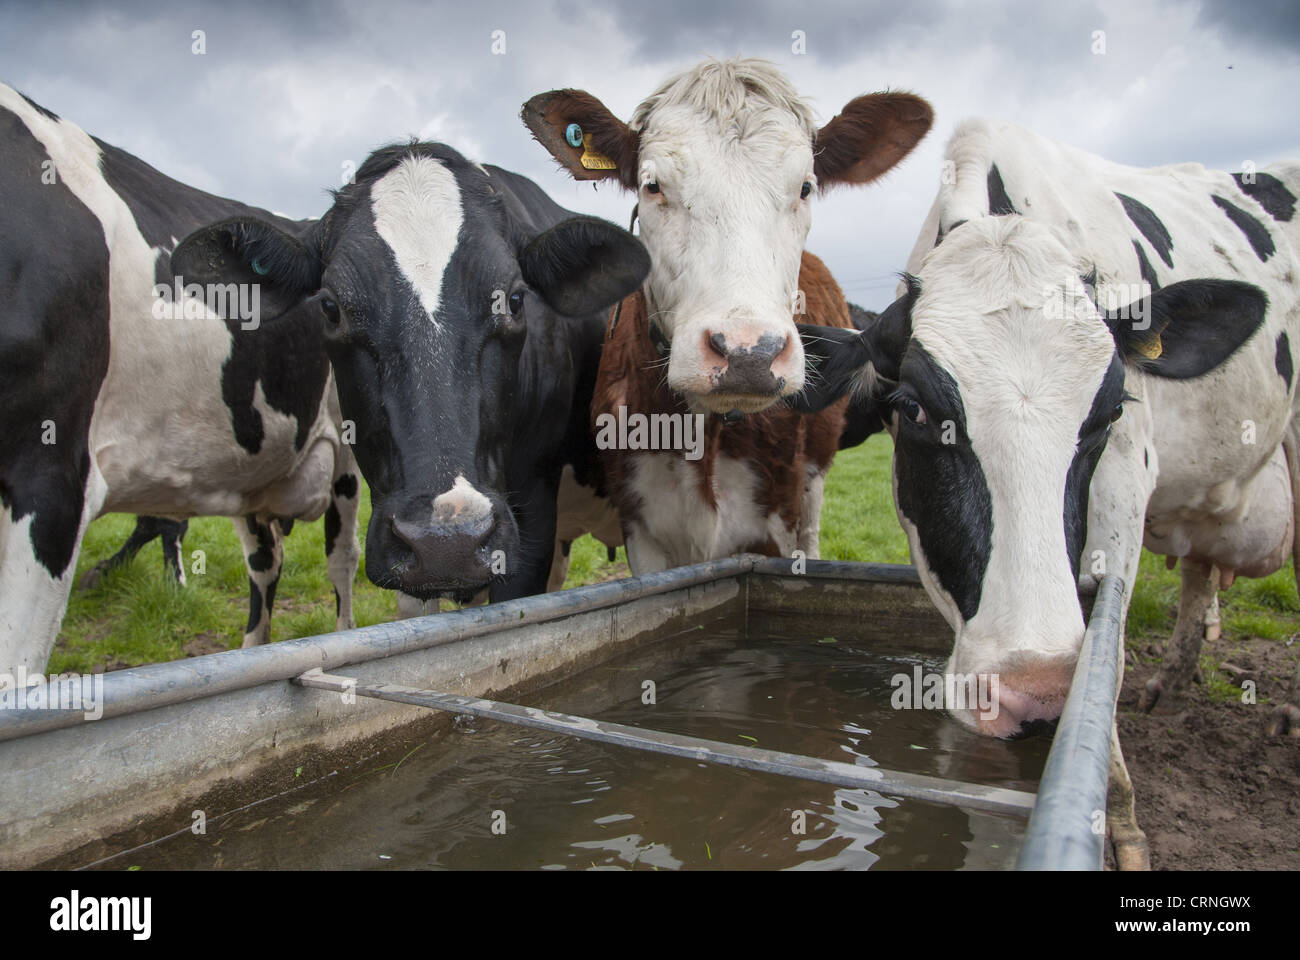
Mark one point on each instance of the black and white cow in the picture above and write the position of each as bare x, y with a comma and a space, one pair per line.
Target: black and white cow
114, 397
1046, 427
461, 312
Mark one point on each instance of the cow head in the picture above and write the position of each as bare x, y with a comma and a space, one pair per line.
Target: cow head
1002, 380
723, 160
437, 305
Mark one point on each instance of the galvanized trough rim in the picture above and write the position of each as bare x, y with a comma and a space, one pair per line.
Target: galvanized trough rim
1067, 830
178, 681
893, 573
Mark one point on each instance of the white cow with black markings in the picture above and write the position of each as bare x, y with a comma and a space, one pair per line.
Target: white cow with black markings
1086, 357
115, 398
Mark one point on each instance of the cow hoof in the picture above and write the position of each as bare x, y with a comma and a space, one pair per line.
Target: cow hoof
91, 579
1150, 695
1132, 853
1285, 721
1159, 699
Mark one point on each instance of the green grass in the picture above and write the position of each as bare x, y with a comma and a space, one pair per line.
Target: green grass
588, 563
138, 616
858, 518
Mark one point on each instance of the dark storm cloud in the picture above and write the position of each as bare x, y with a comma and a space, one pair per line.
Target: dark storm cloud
1254, 24
288, 95
1031, 36
689, 28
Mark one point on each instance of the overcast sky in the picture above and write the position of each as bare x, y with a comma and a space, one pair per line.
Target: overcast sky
287, 93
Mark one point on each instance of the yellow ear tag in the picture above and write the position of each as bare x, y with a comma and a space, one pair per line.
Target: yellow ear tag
1151, 348
591, 160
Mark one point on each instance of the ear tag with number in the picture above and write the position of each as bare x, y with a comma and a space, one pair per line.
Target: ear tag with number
591, 160
1150, 347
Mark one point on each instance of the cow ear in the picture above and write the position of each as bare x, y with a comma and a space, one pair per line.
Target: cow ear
1188, 328
246, 250
841, 361
584, 264
580, 132
869, 136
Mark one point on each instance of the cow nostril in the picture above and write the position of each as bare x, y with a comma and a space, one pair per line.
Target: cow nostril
1035, 728
719, 344
408, 533
770, 346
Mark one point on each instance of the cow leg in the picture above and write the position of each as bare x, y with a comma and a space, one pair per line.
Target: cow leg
33, 598
140, 536
1169, 688
559, 565
172, 536
810, 512
409, 606
264, 554
146, 529
169, 532
1286, 716
644, 555
342, 551
1213, 621
1127, 840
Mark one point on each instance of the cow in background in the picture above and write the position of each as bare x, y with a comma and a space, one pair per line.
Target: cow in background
169, 534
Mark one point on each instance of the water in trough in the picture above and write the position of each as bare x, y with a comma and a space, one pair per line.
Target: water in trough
484, 795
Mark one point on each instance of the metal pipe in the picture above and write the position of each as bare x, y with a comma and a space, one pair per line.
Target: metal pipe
893, 783
1068, 828
160, 684
883, 573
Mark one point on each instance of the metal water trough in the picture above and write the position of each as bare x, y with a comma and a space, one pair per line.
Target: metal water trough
220, 731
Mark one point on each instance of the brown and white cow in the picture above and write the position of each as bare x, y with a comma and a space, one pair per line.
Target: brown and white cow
754, 484
723, 159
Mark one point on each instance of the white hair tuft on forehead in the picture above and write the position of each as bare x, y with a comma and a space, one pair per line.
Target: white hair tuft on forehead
724, 90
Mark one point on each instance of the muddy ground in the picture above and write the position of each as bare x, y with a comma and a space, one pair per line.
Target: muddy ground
1213, 793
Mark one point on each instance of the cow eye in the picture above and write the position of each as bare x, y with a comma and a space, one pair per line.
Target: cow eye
912, 410
652, 186
807, 189
329, 308
516, 302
